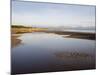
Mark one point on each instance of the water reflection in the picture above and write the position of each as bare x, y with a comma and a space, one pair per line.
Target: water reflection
45, 52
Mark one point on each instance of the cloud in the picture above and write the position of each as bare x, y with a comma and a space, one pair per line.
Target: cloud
52, 14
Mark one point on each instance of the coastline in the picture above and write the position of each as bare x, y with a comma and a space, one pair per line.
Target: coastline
14, 40
80, 35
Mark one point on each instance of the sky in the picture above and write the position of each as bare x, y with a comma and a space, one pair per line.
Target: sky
52, 14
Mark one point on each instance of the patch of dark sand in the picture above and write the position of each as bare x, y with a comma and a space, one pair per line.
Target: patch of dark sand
65, 55
89, 37
80, 35
72, 61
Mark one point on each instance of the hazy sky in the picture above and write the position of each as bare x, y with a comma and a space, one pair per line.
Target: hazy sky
47, 14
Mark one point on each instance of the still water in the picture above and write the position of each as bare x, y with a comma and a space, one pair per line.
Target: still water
45, 52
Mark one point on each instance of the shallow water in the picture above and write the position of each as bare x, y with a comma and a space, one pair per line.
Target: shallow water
44, 52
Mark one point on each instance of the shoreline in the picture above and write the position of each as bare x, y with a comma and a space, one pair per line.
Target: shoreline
80, 35
14, 40
89, 36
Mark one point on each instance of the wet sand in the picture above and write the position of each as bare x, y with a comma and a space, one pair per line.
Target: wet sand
14, 40
80, 35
